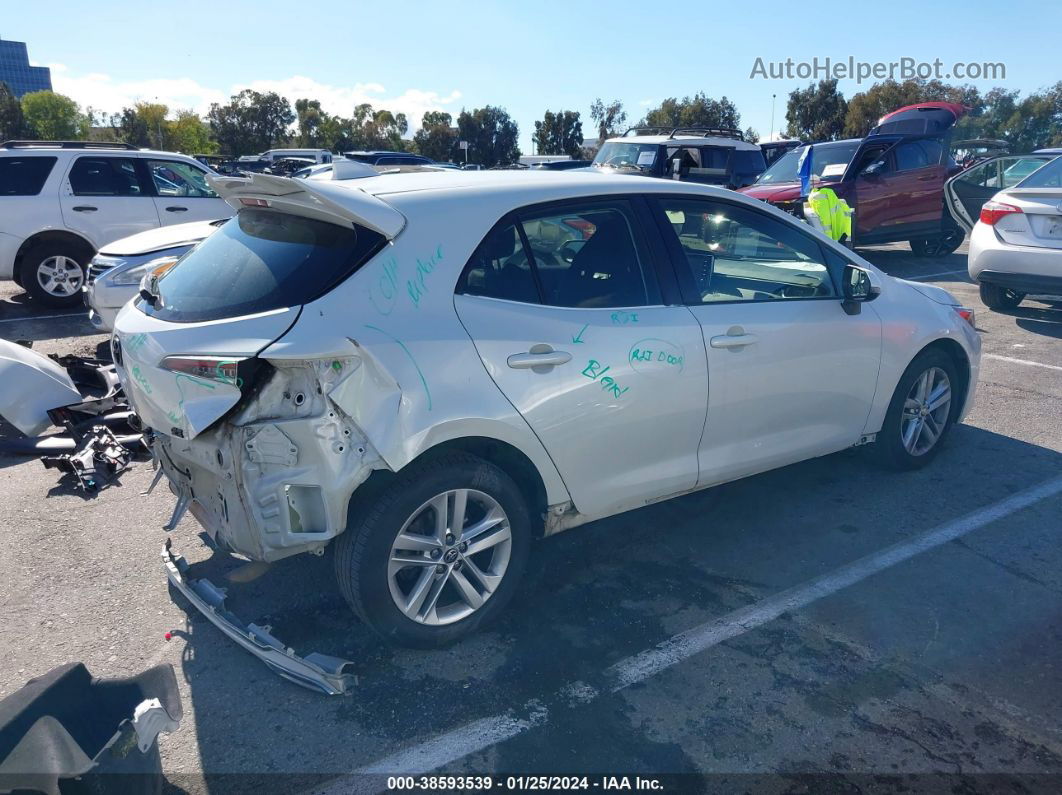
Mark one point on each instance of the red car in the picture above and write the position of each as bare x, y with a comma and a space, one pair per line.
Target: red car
894, 178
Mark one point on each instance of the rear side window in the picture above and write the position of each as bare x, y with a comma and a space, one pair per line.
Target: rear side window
24, 176
747, 161
105, 176
258, 261
582, 255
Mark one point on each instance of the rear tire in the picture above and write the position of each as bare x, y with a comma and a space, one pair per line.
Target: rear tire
995, 297
53, 274
914, 431
396, 549
939, 245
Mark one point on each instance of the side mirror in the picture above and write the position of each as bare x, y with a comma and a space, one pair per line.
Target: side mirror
875, 169
859, 287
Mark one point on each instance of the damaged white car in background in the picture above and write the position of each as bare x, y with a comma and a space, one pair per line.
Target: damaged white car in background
432, 369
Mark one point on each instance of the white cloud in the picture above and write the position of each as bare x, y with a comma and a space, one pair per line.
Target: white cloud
103, 93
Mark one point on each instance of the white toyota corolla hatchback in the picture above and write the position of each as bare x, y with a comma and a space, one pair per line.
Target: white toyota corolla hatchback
431, 370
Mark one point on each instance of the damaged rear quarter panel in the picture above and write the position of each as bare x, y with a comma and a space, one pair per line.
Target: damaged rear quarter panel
418, 380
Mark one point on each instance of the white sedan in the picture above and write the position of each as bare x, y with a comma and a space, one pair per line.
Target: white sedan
431, 370
1016, 245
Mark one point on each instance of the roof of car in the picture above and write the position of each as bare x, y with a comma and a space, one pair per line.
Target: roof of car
710, 140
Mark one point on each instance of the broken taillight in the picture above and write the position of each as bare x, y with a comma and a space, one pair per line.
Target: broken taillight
208, 368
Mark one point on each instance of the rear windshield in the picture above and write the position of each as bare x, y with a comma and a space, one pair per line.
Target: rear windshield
784, 169
1049, 176
24, 176
258, 261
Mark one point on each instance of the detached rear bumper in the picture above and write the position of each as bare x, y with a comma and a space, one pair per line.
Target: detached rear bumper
321, 672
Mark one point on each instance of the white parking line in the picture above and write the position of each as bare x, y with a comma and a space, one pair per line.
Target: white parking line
931, 275
479, 735
1012, 360
43, 317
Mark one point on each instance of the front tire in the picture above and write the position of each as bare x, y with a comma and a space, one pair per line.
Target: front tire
437, 554
995, 297
921, 412
53, 274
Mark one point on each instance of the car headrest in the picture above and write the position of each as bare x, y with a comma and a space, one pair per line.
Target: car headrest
500, 244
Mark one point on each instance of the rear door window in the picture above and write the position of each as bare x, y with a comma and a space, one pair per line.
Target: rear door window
24, 176
581, 255
105, 176
259, 261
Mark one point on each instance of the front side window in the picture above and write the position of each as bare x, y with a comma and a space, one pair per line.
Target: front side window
258, 261
588, 255
105, 176
24, 176
173, 178
740, 254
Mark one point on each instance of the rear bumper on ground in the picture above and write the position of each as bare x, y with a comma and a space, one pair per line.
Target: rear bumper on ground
321, 672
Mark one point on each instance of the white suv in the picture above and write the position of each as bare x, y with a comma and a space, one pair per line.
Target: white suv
61, 201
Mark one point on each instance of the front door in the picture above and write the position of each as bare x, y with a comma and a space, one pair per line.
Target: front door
563, 305
791, 375
106, 198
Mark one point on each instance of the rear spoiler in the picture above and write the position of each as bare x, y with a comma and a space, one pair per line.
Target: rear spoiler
327, 201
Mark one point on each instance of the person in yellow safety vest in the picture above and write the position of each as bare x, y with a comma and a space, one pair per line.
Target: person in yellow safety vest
833, 214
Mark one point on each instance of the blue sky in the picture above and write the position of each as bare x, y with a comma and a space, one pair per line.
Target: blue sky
526, 57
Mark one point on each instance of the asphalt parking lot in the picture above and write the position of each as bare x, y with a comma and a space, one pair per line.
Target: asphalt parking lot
826, 618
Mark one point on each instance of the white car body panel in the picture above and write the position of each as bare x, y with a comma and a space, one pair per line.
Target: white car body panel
389, 361
30, 385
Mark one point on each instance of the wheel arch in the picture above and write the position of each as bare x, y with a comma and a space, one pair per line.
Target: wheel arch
509, 458
57, 237
954, 351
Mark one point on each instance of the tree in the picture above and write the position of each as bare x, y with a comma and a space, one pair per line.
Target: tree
1037, 121
377, 129
250, 122
12, 122
608, 118
696, 111
436, 137
491, 134
309, 116
53, 117
816, 113
559, 133
866, 108
190, 134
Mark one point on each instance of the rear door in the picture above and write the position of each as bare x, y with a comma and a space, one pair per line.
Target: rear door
967, 191
563, 303
919, 177
181, 193
107, 197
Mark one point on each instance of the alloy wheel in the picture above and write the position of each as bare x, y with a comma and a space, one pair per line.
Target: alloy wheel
925, 411
60, 276
449, 557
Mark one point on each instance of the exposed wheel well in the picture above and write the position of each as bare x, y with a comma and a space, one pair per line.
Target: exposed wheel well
55, 237
955, 352
503, 455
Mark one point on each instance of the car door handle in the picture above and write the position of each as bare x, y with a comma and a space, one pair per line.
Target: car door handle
85, 208
733, 340
176, 209
525, 361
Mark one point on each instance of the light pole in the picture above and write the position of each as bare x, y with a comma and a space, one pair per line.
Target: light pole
772, 115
